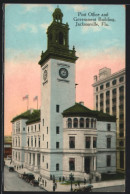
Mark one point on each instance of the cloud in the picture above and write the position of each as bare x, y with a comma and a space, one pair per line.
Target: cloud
44, 26
36, 7
26, 26
79, 8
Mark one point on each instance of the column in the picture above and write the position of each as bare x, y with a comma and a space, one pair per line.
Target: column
91, 164
28, 158
94, 167
91, 144
110, 101
31, 159
82, 164
36, 159
104, 102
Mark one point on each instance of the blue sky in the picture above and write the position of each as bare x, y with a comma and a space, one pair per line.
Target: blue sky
28, 23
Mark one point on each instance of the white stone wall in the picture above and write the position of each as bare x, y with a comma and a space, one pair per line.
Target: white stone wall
102, 150
54, 92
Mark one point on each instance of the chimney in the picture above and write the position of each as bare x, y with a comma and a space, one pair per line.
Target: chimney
95, 78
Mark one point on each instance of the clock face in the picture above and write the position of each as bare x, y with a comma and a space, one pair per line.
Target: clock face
63, 73
45, 75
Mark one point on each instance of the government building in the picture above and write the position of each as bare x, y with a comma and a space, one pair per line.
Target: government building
109, 97
63, 137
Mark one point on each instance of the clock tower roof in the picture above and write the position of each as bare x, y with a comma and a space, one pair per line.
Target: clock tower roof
58, 41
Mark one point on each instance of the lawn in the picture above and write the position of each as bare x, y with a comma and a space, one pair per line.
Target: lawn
117, 176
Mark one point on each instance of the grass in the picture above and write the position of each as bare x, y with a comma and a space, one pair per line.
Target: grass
117, 176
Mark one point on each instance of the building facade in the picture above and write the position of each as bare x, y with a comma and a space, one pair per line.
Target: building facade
109, 97
62, 137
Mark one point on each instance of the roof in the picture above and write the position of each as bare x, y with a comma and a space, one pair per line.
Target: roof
80, 110
30, 116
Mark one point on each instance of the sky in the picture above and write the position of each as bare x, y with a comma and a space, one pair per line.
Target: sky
25, 38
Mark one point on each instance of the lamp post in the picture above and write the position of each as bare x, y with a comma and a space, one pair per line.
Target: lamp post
71, 179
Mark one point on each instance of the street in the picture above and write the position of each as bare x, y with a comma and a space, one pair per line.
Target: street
118, 188
13, 183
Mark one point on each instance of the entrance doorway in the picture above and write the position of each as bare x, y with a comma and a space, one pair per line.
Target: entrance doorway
87, 165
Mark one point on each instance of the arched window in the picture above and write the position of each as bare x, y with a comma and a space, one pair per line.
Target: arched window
87, 123
69, 123
91, 123
75, 124
81, 122
60, 38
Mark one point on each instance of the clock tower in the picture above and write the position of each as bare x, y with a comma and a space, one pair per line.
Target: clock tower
57, 93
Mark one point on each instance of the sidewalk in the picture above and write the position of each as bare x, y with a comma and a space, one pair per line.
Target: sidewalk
66, 188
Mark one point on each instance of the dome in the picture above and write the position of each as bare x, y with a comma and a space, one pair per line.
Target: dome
57, 15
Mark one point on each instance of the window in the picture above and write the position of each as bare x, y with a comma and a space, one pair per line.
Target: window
72, 142
91, 123
43, 122
96, 97
108, 127
72, 164
69, 123
121, 89
43, 137
39, 142
96, 89
23, 128
28, 142
57, 167
35, 127
47, 130
101, 96
47, 165
108, 93
88, 139
107, 84
57, 130
42, 158
28, 129
108, 160
121, 79
32, 141
108, 142
87, 123
39, 127
35, 142
101, 87
114, 82
47, 144
121, 116
81, 122
121, 159
57, 108
31, 128
107, 110
60, 38
57, 144
121, 143
114, 91
95, 123
75, 123
94, 142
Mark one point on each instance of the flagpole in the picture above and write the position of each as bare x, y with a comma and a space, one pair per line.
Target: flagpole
27, 102
37, 103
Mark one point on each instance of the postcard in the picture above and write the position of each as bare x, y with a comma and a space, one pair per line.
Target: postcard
64, 97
